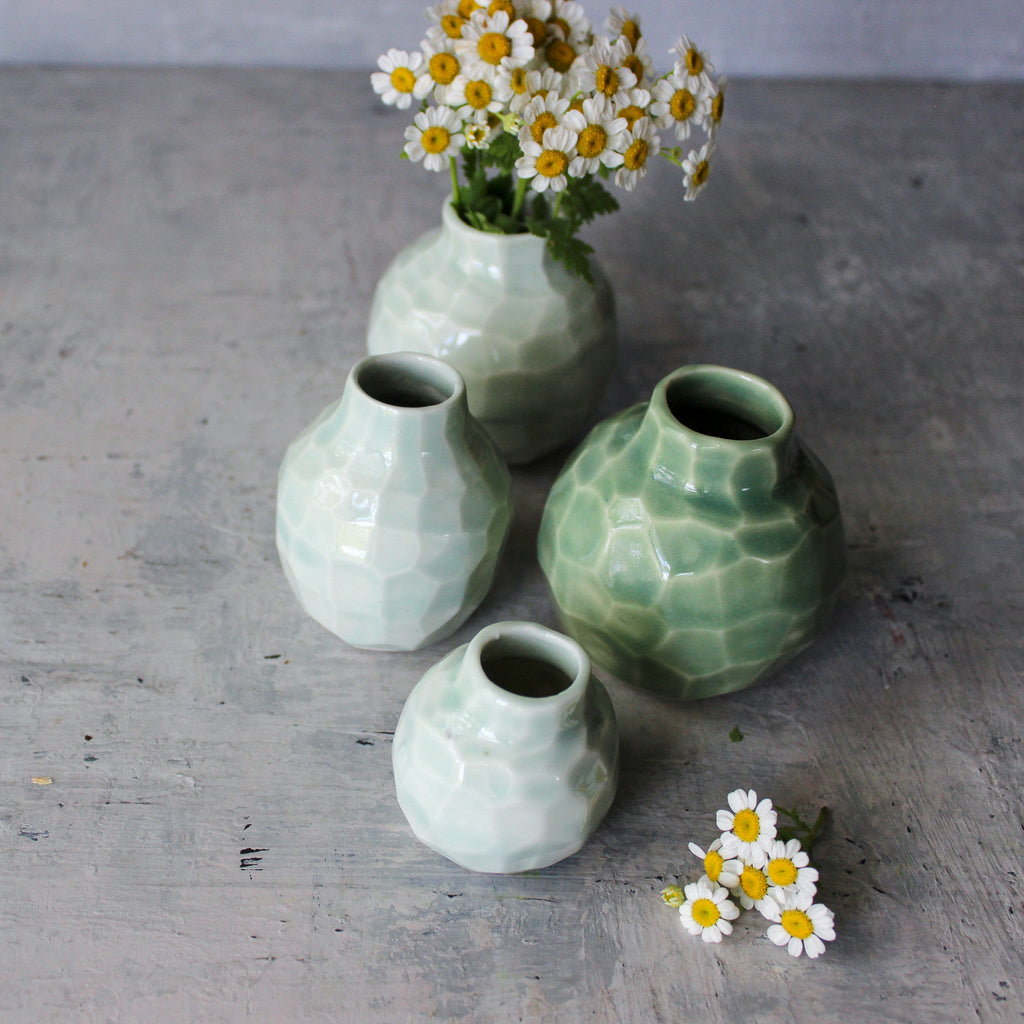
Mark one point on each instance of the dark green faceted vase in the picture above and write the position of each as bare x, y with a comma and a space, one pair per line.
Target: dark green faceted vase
694, 544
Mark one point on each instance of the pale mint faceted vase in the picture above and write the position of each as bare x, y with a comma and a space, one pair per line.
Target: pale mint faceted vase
694, 544
393, 506
535, 343
506, 753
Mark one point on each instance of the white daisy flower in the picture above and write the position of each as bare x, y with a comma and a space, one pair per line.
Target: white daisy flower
599, 137
542, 113
632, 105
637, 147
480, 136
446, 21
673, 895
696, 168
754, 891
601, 70
748, 827
715, 107
542, 83
721, 871
435, 136
442, 66
547, 163
707, 910
803, 926
475, 98
489, 41
638, 60
536, 13
788, 868
692, 62
569, 21
399, 80
622, 23
676, 106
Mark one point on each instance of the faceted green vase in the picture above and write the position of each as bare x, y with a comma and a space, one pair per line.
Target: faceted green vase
694, 544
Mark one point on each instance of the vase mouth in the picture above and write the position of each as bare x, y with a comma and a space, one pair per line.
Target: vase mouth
724, 405
408, 381
453, 221
529, 664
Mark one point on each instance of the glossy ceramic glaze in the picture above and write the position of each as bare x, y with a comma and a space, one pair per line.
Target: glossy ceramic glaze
694, 544
534, 343
393, 506
506, 752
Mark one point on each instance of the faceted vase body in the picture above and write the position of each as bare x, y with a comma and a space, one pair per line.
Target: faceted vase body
534, 343
506, 752
393, 506
694, 544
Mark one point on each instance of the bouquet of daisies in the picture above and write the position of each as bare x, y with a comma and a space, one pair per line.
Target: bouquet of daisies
540, 112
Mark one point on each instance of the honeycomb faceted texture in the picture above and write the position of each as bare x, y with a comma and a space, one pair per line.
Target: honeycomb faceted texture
687, 563
534, 343
497, 780
393, 507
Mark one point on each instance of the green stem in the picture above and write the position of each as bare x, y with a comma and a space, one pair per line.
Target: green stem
558, 205
456, 201
517, 202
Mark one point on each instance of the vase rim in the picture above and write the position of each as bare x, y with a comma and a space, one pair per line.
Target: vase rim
751, 401
533, 641
408, 382
454, 221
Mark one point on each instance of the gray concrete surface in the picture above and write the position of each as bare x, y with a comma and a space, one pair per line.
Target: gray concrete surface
196, 811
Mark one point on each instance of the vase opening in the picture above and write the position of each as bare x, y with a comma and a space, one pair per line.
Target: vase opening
727, 413
526, 670
413, 382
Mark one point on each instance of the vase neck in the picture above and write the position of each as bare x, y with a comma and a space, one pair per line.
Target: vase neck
522, 681
715, 428
405, 398
521, 257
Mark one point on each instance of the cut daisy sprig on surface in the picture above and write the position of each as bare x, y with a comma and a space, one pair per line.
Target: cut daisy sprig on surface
762, 867
479, 74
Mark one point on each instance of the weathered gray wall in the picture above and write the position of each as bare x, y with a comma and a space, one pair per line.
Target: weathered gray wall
946, 39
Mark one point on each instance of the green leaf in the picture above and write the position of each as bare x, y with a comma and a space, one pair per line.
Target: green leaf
736, 736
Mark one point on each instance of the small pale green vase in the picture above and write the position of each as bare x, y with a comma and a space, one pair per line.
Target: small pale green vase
393, 506
694, 544
506, 753
534, 343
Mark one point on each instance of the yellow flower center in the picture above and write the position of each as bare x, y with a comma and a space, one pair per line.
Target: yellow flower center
635, 64
435, 139
747, 826
713, 864
538, 30
452, 25
754, 883
444, 67
502, 5
544, 121
694, 61
606, 80
682, 105
493, 47
562, 25
478, 94
467, 7
717, 107
631, 30
705, 912
592, 141
551, 163
797, 923
403, 79
560, 55
782, 871
517, 81
700, 174
632, 113
636, 156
